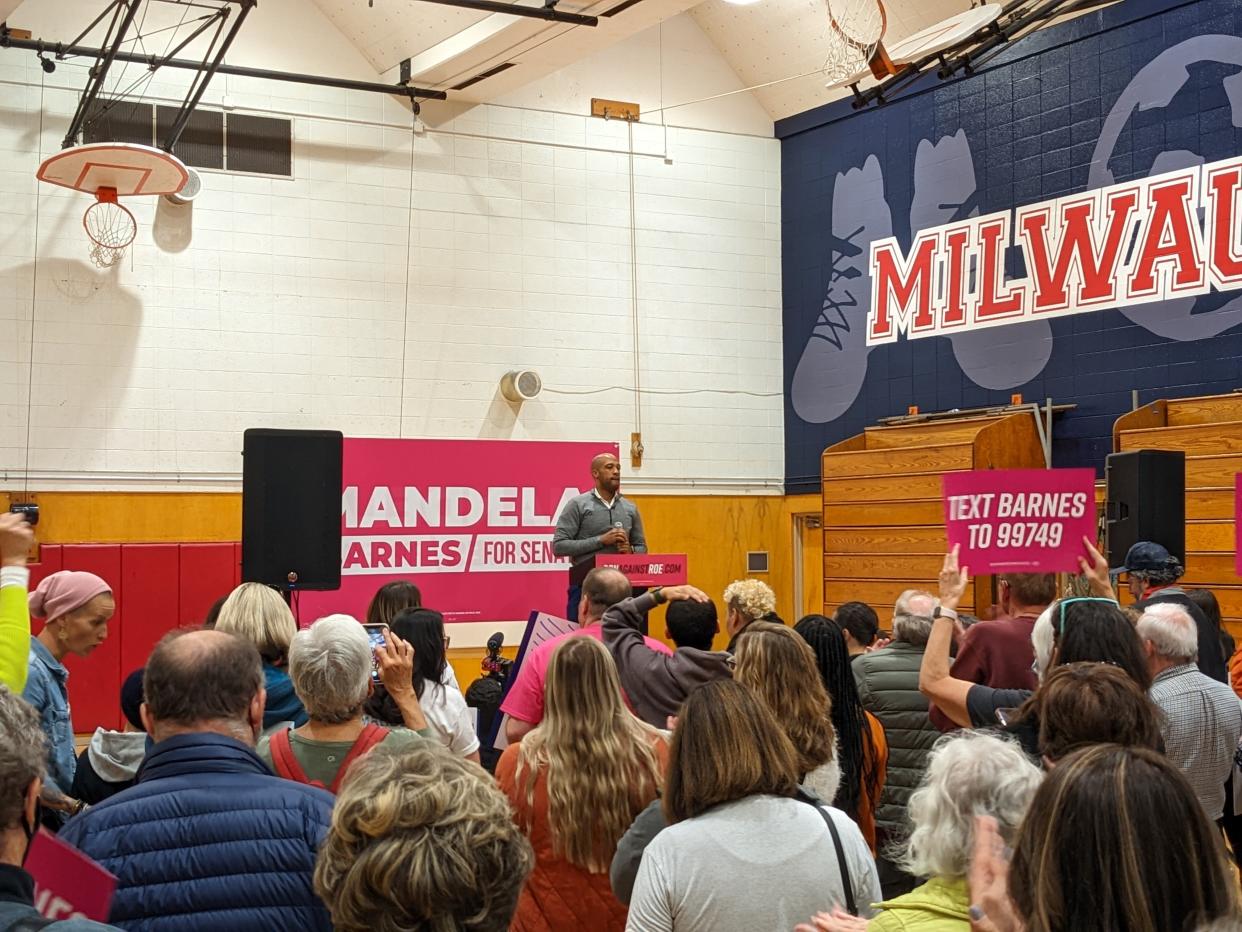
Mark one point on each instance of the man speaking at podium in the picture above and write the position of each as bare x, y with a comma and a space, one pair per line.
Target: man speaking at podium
599, 521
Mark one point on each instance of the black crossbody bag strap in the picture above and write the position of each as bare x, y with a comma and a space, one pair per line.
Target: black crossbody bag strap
811, 799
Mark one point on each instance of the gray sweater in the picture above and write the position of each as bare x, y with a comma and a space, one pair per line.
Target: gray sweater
586, 519
763, 862
656, 684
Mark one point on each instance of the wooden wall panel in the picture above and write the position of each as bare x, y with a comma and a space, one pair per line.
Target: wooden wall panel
1209, 504
1209, 409
915, 435
885, 540
877, 566
882, 488
1224, 437
716, 531
884, 514
937, 458
139, 517
881, 592
1212, 472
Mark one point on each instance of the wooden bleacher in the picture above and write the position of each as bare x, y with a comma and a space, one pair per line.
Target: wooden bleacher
1209, 431
883, 512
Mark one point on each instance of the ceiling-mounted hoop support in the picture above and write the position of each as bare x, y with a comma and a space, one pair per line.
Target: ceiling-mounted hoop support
199, 85
63, 50
123, 13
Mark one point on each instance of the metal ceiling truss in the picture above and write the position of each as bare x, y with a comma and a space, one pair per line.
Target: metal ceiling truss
547, 12
222, 23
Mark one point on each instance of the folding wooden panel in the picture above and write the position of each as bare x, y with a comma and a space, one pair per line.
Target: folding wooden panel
883, 515
1209, 431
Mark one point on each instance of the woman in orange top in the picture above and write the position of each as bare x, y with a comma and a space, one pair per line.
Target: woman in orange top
861, 743
576, 783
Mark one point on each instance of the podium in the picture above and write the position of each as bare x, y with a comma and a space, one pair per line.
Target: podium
643, 570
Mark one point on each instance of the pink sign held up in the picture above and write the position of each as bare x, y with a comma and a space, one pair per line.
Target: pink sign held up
68, 884
1020, 520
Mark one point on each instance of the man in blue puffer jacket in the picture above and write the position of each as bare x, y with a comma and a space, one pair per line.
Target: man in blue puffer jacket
208, 839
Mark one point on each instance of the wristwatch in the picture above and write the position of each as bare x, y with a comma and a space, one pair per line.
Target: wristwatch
658, 594
942, 612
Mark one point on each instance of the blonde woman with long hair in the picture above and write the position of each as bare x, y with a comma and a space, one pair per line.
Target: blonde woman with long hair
576, 783
779, 666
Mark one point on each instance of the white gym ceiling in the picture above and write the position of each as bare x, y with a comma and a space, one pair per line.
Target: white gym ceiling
765, 41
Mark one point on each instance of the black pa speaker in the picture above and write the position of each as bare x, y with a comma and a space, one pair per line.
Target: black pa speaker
291, 508
1146, 501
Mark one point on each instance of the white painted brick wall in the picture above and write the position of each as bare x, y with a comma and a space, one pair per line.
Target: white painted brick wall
324, 301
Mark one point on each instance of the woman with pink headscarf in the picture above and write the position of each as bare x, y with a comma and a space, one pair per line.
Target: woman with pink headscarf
77, 607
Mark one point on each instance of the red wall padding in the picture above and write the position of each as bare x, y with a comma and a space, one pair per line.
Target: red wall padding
157, 587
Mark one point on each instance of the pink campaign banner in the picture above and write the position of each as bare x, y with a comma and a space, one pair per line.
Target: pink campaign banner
68, 884
1020, 520
469, 522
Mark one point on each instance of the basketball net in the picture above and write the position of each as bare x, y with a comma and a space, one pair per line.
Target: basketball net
855, 32
111, 228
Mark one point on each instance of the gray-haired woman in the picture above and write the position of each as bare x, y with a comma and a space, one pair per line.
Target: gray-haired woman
330, 665
969, 774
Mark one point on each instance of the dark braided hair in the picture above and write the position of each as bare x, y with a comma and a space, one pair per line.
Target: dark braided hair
855, 747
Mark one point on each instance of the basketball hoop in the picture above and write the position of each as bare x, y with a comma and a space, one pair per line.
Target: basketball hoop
110, 170
110, 227
855, 32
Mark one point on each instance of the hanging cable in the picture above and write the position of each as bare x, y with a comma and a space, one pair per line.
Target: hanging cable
34, 293
638, 403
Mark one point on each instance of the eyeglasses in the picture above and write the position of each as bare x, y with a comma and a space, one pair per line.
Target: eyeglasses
1084, 598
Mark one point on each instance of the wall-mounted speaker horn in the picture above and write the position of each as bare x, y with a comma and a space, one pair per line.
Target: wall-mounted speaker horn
521, 385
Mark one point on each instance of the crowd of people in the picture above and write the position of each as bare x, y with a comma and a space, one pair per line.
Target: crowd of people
1065, 765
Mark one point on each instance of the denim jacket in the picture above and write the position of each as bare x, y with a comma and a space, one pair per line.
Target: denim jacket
46, 690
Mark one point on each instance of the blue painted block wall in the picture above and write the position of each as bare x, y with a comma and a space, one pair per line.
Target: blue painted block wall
1032, 121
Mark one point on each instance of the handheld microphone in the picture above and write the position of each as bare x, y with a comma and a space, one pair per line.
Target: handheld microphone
495, 642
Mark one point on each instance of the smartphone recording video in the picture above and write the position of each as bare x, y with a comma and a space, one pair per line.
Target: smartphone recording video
375, 634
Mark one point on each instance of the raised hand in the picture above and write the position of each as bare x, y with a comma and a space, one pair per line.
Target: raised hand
684, 594
953, 579
16, 536
1096, 571
991, 910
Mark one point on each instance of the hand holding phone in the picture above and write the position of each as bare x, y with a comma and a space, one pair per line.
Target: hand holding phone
375, 634
395, 661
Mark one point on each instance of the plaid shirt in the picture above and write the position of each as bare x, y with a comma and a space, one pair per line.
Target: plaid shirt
1203, 721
